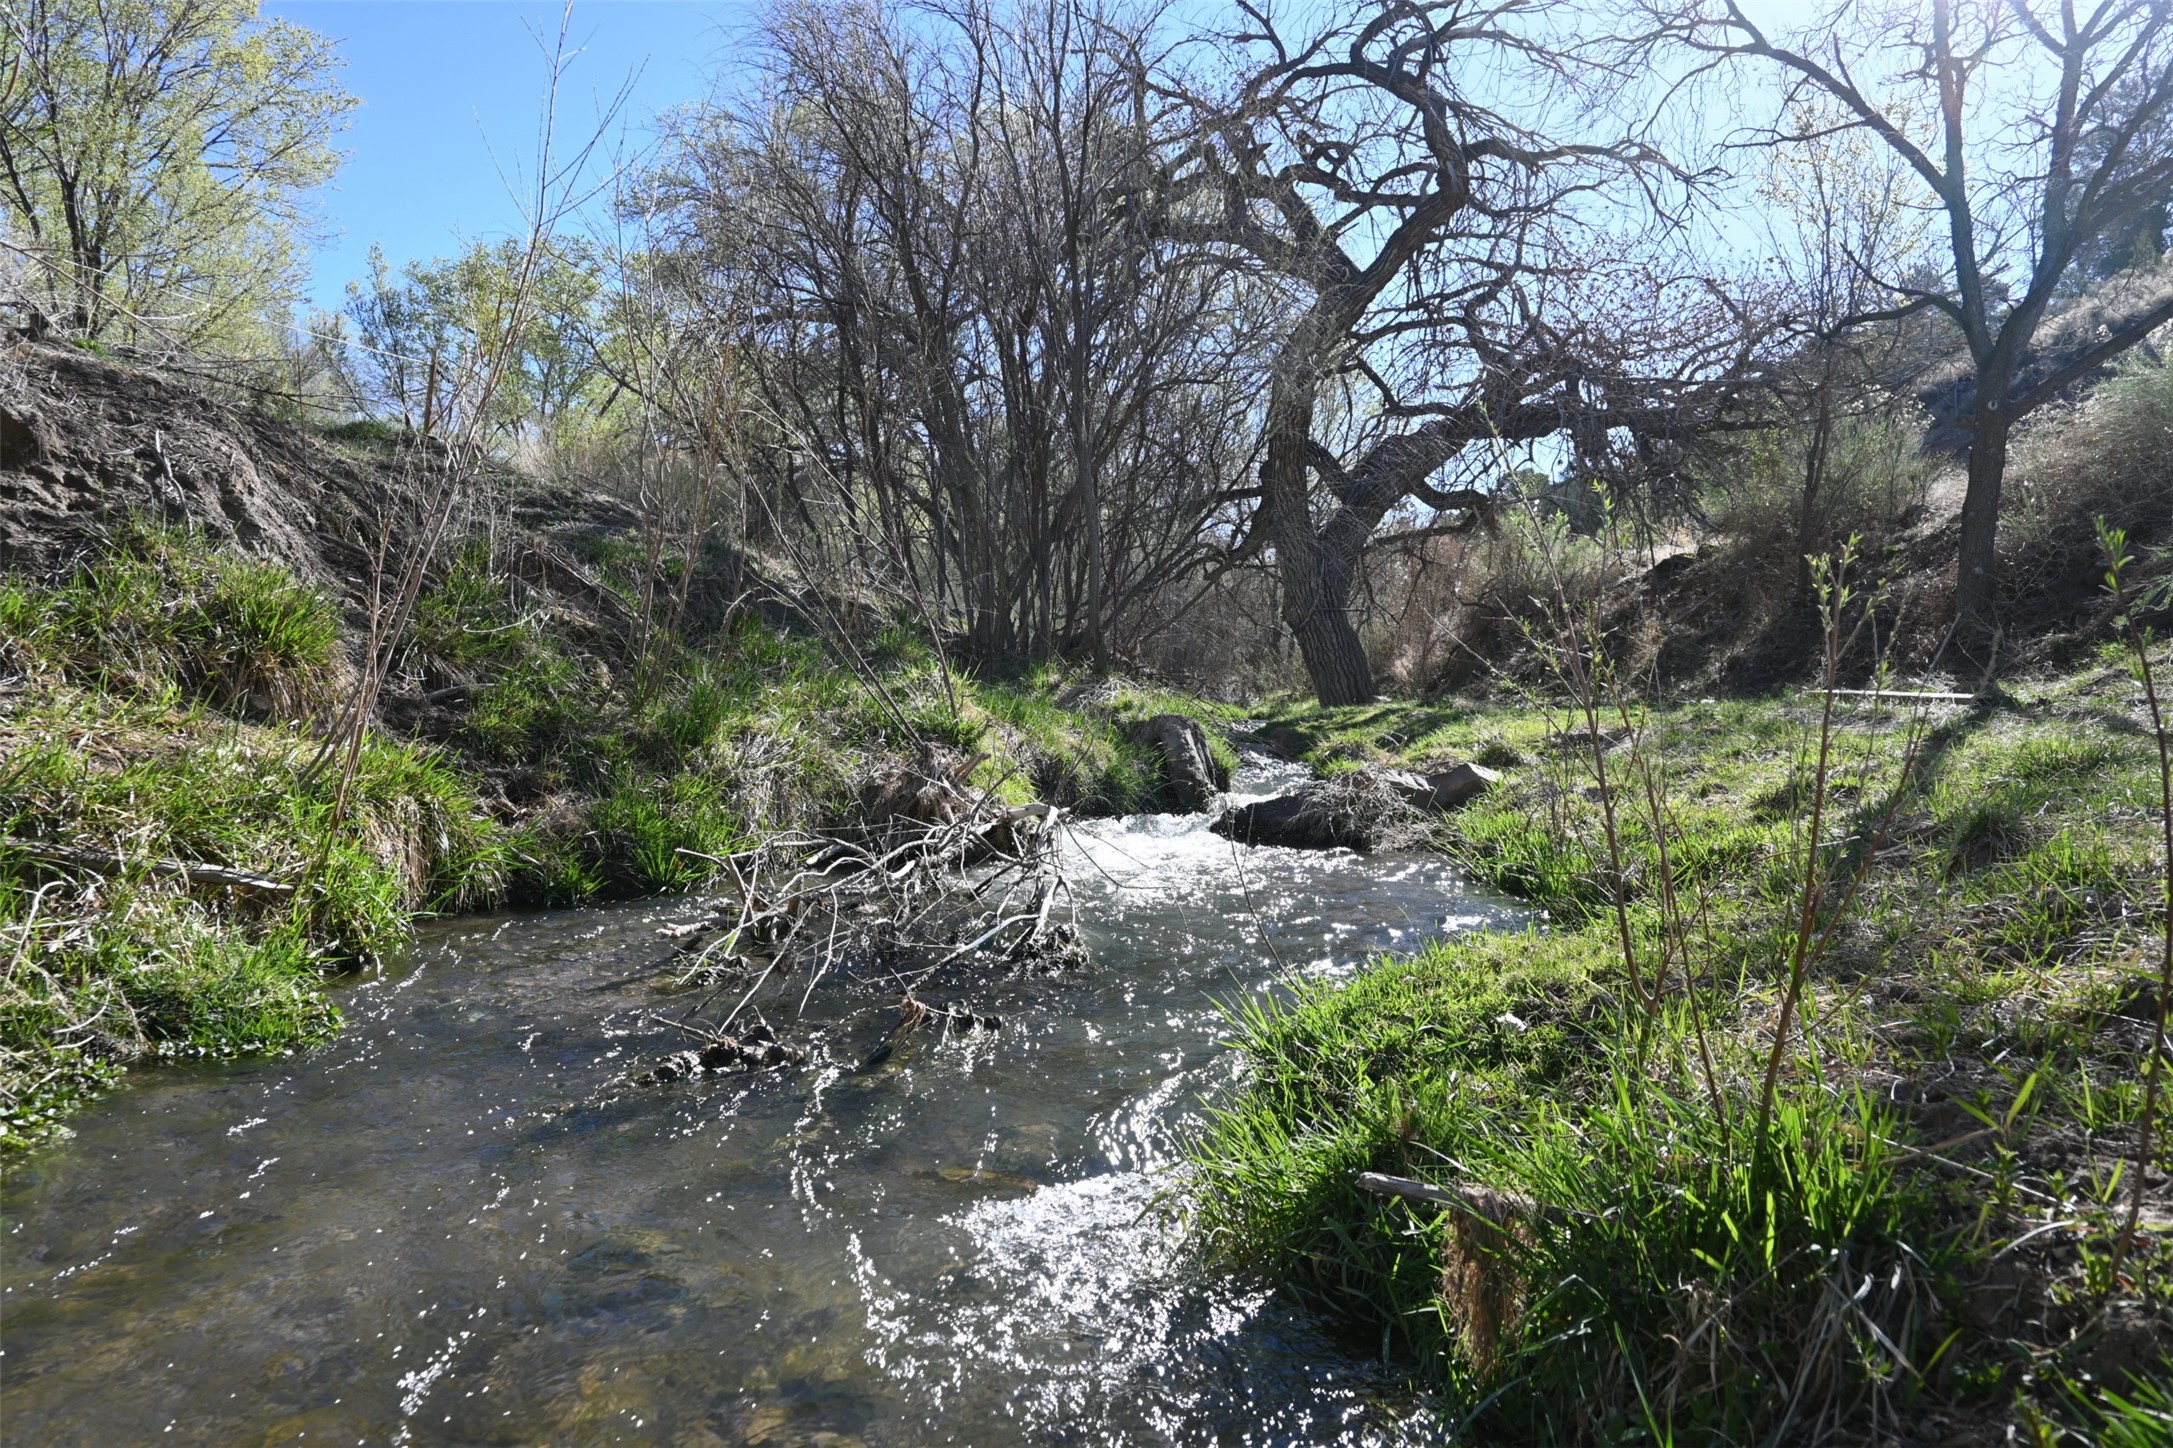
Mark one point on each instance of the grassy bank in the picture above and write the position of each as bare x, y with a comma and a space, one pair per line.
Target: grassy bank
181, 873
1642, 1243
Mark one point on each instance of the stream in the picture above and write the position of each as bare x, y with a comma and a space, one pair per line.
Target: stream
448, 1225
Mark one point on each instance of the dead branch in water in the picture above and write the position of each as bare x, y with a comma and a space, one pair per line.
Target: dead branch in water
941, 878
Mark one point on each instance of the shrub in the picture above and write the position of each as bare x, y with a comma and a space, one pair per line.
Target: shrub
2108, 457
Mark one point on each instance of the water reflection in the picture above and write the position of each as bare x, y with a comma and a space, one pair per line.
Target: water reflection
452, 1226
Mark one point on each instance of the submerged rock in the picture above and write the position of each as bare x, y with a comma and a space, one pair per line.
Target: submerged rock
758, 1048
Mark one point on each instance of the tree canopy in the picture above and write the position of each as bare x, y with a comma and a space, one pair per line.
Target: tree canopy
156, 159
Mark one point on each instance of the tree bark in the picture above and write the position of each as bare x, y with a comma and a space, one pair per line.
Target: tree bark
1316, 574
1335, 660
1976, 580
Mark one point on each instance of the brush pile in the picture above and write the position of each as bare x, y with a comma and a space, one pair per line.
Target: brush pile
933, 880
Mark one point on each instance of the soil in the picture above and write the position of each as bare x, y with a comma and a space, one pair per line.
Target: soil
86, 442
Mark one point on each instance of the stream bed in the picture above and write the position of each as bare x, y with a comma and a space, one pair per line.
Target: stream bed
451, 1226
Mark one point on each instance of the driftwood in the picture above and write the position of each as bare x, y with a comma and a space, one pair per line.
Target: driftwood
196, 873
1363, 810
1189, 771
930, 877
931, 883
1480, 1288
1494, 1205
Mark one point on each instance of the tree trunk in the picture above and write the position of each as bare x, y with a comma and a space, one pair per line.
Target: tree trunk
1086, 466
1976, 597
1316, 580
1335, 660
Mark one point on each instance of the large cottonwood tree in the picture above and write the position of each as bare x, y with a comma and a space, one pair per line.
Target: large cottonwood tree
1453, 280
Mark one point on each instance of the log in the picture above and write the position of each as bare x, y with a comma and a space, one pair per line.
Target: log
196, 873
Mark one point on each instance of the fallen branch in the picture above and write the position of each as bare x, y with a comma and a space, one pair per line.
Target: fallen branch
196, 873
1485, 1201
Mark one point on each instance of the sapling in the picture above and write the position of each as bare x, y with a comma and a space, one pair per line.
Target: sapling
1819, 917
2140, 642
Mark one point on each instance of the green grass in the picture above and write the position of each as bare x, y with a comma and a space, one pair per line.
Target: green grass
2141, 1418
1505, 1064
163, 615
121, 962
1680, 1278
1063, 756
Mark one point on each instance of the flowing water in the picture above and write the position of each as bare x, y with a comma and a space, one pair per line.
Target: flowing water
451, 1226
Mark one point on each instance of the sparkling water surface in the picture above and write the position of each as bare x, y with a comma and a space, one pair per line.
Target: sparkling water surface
457, 1224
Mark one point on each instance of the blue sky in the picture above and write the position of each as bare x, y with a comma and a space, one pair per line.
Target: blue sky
447, 85
444, 84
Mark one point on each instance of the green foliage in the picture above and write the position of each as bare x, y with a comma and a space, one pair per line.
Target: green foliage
1081, 761
116, 758
184, 785
125, 959
2139, 1418
1497, 1063
1516, 1066
656, 836
112, 971
433, 335
167, 612
157, 158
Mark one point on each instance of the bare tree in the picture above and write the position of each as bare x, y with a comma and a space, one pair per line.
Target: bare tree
2037, 133
1836, 208
983, 375
1448, 285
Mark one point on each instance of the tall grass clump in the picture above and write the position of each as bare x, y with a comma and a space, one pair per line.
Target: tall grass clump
1601, 1256
2103, 460
1080, 760
165, 612
175, 881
